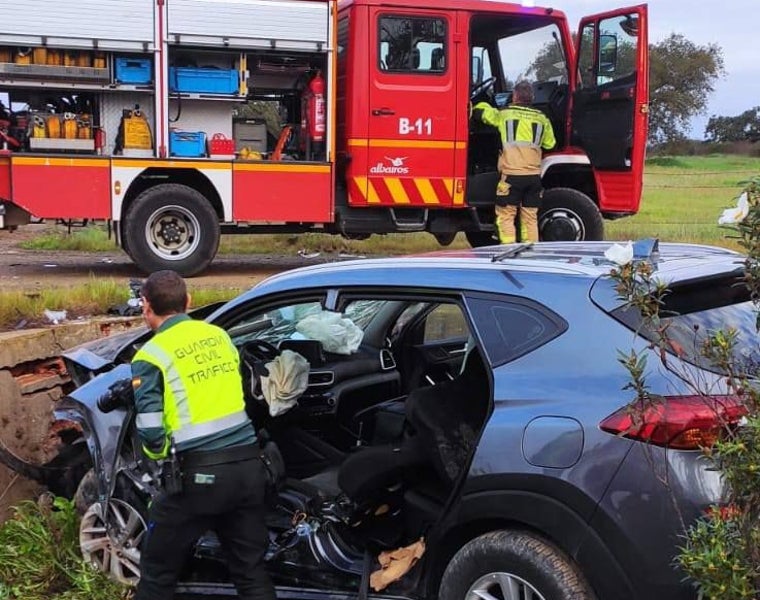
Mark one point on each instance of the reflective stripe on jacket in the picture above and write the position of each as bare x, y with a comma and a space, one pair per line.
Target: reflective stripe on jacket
202, 387
524, 132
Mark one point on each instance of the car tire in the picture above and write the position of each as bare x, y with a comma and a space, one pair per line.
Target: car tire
569, 215
111, 535
87, 492
172, 226
509, 565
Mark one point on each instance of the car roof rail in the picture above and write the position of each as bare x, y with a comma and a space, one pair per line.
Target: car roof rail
512, 252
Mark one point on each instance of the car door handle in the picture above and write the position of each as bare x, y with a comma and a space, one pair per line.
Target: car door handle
378, 112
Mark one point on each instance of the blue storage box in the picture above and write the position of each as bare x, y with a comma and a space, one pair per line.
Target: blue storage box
203, 81
187, 143
134, 70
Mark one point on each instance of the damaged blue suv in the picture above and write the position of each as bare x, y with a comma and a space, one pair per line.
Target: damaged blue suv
478, 405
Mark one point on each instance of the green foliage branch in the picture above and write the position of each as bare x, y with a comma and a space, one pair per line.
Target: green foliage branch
720, 554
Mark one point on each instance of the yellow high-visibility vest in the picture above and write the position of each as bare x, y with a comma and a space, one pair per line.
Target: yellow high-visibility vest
203, 391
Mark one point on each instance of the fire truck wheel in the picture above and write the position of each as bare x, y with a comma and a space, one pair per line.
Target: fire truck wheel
569, 215
172, 226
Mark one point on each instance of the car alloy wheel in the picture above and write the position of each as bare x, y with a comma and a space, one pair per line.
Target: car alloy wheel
111, 542
502, 586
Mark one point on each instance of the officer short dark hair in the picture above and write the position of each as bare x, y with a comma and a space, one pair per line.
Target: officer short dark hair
523, 93
166, 291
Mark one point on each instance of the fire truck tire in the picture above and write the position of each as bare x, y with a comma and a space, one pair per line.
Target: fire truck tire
172, 226
569, 215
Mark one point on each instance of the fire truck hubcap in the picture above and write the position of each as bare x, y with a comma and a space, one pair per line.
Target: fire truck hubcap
172, 232
561, 225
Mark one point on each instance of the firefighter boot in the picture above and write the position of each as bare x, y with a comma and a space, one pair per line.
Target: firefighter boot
505, 223
528, 224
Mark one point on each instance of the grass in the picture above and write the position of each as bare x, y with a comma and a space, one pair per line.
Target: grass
683, 198
20, 309
40, 558
87, 239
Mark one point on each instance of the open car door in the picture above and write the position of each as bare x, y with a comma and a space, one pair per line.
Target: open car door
610, 104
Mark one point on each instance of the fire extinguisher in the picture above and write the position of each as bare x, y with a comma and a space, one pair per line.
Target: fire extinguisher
313, 117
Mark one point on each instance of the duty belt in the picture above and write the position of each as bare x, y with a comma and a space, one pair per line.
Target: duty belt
193, 459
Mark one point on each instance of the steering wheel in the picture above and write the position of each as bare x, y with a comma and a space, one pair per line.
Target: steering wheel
255, 354
482, 87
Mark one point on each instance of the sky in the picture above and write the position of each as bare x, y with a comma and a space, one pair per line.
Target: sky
731, 24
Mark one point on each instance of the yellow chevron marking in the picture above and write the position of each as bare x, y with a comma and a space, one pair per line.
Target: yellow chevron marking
449, 183
397, 191
372, 196
458, 196
425, 188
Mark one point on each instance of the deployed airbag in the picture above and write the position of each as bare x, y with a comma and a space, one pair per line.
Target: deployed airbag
287, 380
338, 334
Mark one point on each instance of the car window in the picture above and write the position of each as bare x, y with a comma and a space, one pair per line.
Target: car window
445, 322
693, 312
361, 312
512, 328
272, 325
276, 324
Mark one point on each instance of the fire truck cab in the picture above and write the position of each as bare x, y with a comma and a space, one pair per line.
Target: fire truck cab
179, 120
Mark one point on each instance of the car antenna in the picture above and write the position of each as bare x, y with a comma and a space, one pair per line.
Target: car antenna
512, 252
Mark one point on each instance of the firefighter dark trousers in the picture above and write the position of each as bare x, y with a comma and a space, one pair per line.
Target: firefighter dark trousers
227, 498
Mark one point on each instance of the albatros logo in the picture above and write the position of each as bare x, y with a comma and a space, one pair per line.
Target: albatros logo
395, 166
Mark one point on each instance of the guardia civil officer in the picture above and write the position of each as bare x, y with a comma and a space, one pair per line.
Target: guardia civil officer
188, 392
525, 131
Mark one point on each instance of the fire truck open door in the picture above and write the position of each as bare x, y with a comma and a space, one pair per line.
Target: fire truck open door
610, 104
412, 100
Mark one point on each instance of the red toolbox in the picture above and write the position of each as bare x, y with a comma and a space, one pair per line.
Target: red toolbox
220, 144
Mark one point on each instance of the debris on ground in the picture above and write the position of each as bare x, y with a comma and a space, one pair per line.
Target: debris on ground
394, 564
55, 316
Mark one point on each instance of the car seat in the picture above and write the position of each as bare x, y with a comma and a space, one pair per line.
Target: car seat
444, 421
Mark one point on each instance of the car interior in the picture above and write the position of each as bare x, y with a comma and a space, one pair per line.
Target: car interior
381, 435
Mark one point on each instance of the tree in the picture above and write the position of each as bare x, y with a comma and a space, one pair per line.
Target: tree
682, 76
742, 128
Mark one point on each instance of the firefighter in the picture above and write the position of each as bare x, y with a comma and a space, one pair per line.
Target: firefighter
191, 412
525, 131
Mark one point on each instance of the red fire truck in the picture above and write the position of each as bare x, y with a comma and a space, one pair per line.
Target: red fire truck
138, 112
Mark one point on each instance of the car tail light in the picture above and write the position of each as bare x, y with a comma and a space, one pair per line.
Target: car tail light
678, 422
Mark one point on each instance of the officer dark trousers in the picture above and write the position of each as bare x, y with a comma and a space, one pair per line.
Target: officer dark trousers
227, 498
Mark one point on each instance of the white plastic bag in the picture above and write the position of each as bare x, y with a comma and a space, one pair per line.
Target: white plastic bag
287, 380
337, 334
